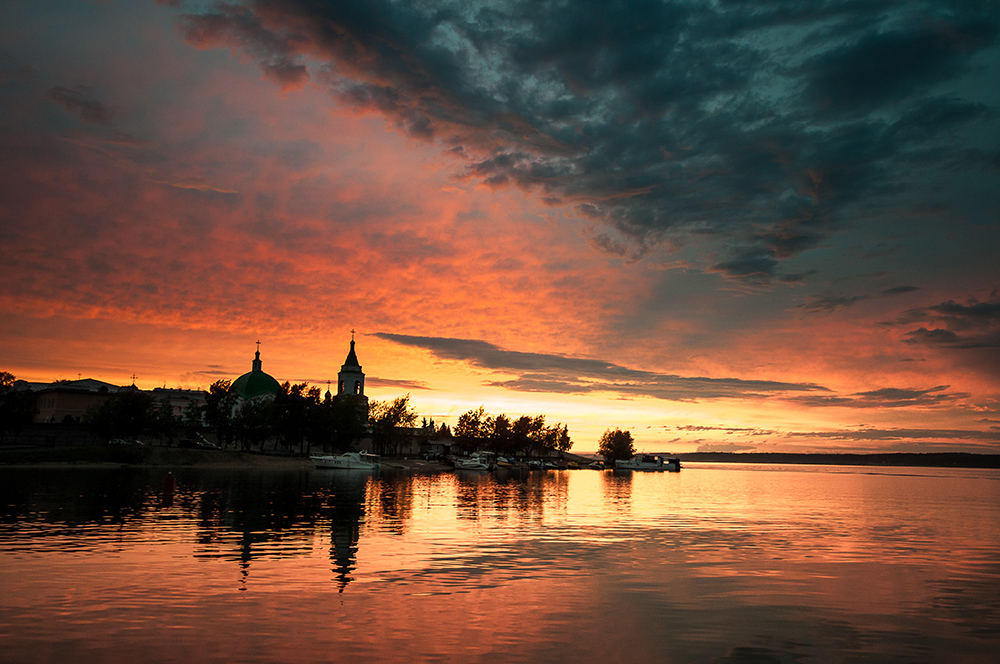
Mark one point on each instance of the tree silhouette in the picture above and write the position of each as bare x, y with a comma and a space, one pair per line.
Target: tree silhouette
17, 407
390, 421
615, 445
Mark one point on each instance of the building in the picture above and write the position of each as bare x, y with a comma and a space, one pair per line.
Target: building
255, 383
67, 401
180, 400
351, 380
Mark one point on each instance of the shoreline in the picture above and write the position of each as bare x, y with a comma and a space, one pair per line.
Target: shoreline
177, 457
891, 459
95, 456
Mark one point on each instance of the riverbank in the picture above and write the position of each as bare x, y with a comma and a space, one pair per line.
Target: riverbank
99, 456
173, 457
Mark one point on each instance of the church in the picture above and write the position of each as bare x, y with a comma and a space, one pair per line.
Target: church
257, 384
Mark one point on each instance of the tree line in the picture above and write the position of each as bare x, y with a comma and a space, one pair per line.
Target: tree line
526, 435
297, 418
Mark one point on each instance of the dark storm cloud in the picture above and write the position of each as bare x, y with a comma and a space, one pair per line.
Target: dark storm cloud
80, 101
764, 122
887, 397
891, 65
539, 372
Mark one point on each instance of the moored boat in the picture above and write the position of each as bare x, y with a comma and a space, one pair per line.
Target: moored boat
653, 462
476, 461
348, 461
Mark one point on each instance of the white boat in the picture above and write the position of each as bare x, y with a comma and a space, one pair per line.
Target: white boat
476, 461
348, 461
652, 462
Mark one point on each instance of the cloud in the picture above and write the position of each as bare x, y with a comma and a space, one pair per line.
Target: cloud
987, 313
887, 440
829, 303
971, 329
872, 434
899, 290
891, 65
81, 102
539, 372
888, 397
771, 126
241, 28
725, 447
375, 381
746, 431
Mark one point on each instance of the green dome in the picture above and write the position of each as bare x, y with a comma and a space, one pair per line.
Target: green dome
254, 383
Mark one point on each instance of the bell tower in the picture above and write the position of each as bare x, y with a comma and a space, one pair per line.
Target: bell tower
351, 380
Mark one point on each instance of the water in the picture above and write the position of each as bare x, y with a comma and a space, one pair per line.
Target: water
715, 563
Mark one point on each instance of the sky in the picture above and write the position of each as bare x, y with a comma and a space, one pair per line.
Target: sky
723, 226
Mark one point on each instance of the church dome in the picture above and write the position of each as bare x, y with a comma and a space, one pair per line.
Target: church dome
255, 383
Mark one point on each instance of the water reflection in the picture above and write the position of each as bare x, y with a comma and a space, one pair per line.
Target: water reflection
792, 564
618, 488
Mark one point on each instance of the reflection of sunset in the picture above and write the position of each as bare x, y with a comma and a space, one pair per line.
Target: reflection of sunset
537, 566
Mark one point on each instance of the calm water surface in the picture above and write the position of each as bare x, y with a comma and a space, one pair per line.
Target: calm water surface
715, 563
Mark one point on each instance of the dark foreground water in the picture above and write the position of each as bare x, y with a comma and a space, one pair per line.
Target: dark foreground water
715, 563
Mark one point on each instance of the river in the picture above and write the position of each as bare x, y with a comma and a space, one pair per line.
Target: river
716, 563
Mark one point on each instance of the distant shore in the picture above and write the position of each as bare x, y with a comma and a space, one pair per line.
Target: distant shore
929, 459
172, 457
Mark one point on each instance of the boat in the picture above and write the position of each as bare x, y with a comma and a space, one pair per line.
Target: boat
476, 461
653, 462
348, 461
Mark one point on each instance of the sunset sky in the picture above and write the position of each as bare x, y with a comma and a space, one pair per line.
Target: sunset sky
726, 226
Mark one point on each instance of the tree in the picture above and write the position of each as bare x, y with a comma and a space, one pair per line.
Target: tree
219, 405
17, 407
341, 422
164, 422
616, 445
251, 423
193, 418
127, 414
389, 421
563, 442
501, 436
472, 428
291, 413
